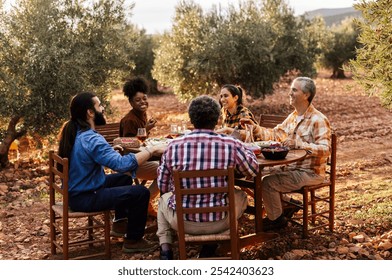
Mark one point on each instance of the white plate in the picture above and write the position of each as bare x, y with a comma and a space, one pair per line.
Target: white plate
263, 144
156, 141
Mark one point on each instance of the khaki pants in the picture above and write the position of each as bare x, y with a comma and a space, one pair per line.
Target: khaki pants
284, 181
167, 219
148, 171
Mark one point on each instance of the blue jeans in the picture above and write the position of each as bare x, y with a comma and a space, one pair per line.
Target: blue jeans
118, 194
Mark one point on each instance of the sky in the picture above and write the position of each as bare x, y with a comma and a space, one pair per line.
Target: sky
156, 15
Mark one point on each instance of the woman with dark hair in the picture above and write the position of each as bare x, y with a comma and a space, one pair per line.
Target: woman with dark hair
90, 189
233, 110
136, 90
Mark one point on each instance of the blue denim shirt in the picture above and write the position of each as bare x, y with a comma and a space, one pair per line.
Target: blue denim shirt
90, 154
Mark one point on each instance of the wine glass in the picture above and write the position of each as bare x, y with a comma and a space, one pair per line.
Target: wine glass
141, 134
174, 130
249, 133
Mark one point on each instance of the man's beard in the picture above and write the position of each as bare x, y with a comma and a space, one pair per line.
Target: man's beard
99, 118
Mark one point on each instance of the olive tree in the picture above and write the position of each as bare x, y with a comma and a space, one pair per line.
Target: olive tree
340, 48
50, 50
372, 67
252, 45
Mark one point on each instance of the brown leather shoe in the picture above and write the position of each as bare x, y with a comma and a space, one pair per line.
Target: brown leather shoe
140, 245
279, 223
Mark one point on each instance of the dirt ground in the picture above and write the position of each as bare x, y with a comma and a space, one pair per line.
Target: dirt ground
363, 225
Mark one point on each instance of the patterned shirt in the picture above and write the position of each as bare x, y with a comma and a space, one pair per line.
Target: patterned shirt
233, 120
199, 150
312, 132
131, 122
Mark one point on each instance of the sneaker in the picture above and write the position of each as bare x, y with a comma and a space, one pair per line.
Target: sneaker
119, 228
142, 245
279, 223
166, 255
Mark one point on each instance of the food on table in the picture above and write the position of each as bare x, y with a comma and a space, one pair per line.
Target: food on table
275, 152
255, 148
157, 141
127, 142
264, 144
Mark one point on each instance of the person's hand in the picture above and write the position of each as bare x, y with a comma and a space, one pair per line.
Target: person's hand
151, 124
290, 142
118, 148
158, 150
224, 130
244, 121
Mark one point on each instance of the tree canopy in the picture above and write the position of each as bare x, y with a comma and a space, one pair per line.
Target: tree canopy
339, 46
251, 45
372, 67
49, 51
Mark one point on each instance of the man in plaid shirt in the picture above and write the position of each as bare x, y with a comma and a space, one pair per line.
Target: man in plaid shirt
201, 149
305, 128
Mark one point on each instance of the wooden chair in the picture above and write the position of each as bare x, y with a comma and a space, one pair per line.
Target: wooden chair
70, 229
230, 236
270, 121
315, 196
109, 131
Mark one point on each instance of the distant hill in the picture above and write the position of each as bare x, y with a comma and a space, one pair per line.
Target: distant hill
333, 16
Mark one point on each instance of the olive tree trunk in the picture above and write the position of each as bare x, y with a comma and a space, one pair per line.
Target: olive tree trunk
10, 135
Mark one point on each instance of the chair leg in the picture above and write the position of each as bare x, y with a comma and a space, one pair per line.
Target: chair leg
107, 234
65, 237
331, 208
305, 217
52, 233
181, 249
313, 205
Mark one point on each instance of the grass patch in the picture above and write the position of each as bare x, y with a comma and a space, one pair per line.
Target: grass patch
375, 197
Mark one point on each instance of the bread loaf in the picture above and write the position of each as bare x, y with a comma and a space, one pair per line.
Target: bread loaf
127, 142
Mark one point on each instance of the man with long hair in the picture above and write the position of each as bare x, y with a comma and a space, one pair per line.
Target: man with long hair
90, 189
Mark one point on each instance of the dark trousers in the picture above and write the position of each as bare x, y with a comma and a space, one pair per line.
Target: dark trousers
117, 193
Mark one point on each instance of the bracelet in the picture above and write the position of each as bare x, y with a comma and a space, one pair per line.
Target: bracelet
146, 149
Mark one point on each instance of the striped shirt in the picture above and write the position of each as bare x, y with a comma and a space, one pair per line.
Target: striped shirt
199, 150
312, 133
233, 120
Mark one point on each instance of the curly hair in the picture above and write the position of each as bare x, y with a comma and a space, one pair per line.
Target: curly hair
135, 85
204, 112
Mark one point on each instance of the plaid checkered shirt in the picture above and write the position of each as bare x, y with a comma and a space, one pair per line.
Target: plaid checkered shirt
233, 120
312, 133
199, 150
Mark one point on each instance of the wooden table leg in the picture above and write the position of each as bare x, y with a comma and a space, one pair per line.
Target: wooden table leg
258, 199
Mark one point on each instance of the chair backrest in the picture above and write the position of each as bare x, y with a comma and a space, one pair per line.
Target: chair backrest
180, 191
331, 163
270, 121
109, 131
58, 180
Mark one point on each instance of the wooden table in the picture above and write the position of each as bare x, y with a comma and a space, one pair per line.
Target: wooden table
292, 156
260, 236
